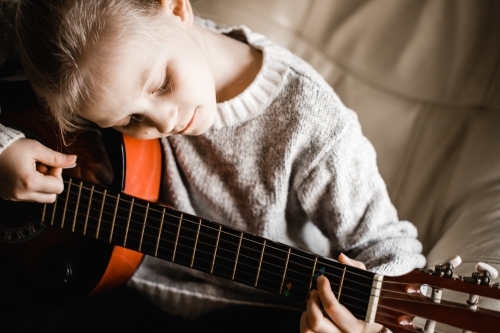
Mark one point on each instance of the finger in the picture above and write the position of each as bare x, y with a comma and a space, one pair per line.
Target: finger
343, 259
339, 314
40, 197
304, 325
315, 319
43, 184
42, 168
53, 158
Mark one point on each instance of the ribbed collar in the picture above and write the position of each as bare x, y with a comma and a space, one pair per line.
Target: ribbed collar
266, 85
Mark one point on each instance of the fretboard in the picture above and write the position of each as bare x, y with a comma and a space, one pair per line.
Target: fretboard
202, 244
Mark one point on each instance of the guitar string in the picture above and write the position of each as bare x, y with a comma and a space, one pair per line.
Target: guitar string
185, 219
328, 274
256, 259
343, 302
108, 204
381, 306
123, 209
263, 287
279, 275
230, 259
251, 249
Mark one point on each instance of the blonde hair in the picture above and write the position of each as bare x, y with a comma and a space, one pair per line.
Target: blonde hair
56, 37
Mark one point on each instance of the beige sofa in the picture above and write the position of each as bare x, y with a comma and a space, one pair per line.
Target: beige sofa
424, 78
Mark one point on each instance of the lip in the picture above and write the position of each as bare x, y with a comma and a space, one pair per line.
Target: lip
189, 124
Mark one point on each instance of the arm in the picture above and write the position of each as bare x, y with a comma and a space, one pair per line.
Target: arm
343, 193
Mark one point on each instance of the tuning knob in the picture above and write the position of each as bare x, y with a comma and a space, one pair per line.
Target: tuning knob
447, 269
455, 261
485, 273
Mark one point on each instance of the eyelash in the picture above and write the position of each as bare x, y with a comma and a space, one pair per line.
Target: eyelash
134, 118
164, 85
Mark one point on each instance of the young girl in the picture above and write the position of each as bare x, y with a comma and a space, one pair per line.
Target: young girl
252, 137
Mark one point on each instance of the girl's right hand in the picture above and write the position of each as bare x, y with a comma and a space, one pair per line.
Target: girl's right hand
29, 171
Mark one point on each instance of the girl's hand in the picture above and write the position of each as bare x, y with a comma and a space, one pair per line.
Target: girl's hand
338, 319
29, 171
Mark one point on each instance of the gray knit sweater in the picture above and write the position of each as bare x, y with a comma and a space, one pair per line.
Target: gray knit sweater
285, 160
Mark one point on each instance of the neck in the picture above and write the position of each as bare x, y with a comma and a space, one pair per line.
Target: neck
234, 64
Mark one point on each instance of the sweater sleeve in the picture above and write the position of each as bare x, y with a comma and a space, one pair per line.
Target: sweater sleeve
346, 197
8, 136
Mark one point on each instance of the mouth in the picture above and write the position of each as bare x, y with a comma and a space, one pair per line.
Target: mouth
189, 123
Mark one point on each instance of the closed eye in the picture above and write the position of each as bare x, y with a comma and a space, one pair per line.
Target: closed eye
165, 84
134, 118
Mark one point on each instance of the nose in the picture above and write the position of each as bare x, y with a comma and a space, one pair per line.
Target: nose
162, 120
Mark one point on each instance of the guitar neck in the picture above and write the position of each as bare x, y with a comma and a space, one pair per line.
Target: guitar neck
204, 245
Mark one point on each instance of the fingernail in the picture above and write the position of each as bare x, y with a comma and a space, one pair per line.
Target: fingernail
70, 166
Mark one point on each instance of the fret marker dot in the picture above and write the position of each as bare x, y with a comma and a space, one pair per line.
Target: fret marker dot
321, 272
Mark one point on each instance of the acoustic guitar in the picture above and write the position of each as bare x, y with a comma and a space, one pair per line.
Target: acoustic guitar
113, 225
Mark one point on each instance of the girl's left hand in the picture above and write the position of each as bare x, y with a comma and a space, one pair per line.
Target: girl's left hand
339, 318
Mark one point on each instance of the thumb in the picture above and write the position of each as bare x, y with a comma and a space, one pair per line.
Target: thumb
53, 158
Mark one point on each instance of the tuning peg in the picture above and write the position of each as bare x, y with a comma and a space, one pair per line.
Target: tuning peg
447, 269
455, 261
481, 267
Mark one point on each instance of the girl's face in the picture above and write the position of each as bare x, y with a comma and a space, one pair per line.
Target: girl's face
156, 86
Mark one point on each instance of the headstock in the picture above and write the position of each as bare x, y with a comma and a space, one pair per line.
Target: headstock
405, 305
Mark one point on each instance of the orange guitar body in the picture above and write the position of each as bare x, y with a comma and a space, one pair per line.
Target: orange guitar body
142, 180
135, 166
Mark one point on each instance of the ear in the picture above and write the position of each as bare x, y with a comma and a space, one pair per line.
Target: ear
179, 8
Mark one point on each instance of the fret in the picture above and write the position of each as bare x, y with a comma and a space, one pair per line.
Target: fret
144, 227
356, 290
76, 207
66, 203
54, 211
248, 261
100, 213
296, 282
195, 242
237, 256
88, 210
312, 275
260, 263
114, 218
340, 284
206, 241
168, 233
43, 213
284, 271
355, 284
159, 232
215, 250
272, 276
177, 237
128, 222
186, 239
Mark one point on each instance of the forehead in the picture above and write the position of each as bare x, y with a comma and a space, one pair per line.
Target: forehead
122, 69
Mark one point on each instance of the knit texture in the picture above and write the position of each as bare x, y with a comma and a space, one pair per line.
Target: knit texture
8, 136
286, 160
